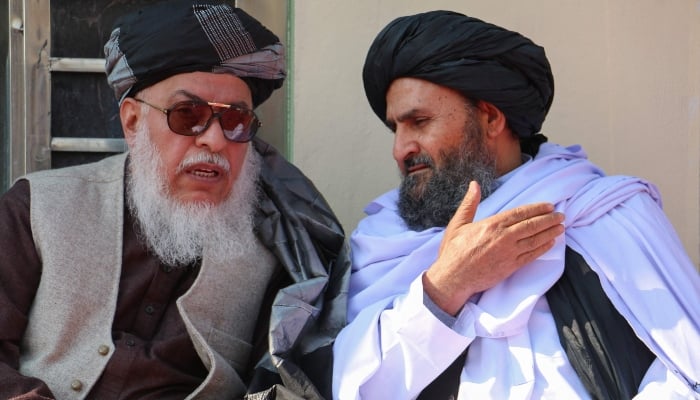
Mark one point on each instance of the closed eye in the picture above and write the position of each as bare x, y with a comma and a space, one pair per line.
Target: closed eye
420, 121
413, 119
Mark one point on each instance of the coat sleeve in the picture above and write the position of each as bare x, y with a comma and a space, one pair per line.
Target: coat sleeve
395, 347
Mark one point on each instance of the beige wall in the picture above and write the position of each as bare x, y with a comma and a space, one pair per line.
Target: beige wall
627, 89
274, 111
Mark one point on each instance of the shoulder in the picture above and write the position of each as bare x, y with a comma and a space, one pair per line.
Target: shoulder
15, 201
107, 169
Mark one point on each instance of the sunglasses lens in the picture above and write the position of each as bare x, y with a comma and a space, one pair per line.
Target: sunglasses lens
188, 118
238, 125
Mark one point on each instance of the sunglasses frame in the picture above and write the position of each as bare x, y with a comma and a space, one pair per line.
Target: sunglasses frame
255, 122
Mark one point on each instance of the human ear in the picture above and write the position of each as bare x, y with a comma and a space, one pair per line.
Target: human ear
496, 122
130, 115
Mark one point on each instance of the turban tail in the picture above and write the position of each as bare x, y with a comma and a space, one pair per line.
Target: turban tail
480, 60
174, 37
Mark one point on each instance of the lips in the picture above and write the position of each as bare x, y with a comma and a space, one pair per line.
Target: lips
416, 164
417, 167
206, 171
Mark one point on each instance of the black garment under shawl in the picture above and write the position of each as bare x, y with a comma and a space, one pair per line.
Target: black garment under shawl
307, 298
480, 60
600, 344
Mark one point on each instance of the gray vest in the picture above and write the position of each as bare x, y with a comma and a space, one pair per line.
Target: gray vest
77, 223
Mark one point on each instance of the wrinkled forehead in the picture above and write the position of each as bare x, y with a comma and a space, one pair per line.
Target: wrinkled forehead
410, 95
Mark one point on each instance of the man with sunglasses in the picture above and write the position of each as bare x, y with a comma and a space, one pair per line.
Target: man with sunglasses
610, 311
200, 265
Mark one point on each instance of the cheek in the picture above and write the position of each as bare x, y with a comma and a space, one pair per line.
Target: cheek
172, 153
433, 148
436, 146
236, 158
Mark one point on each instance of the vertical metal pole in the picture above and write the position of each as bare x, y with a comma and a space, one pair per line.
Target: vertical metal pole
29, 86
16, 91
37, 35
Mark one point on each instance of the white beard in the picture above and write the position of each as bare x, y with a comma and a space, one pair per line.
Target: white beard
179, 233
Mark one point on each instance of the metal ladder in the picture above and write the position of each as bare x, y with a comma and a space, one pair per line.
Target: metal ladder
30, 69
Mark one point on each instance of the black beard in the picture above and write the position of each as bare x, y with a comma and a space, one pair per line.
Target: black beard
431, 202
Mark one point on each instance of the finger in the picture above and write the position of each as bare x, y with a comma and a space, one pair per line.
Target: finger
537, 224
523, 213
540, 238
465, 212
530, 256
467, 209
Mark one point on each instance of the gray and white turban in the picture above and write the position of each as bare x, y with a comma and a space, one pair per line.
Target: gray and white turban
482, 61
173, 37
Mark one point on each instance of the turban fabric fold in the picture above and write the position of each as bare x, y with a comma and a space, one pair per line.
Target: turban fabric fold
480, 60
179, 36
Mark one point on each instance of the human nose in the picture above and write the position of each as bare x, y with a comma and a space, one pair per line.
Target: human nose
404, 147
213, 137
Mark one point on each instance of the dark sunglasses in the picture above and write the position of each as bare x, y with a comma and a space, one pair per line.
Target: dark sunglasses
193, 117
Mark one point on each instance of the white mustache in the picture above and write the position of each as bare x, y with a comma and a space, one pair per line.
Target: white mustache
204, 157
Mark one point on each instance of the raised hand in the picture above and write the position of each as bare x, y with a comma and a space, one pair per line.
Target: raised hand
475, 256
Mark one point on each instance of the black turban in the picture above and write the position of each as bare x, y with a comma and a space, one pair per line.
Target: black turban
173, 37
480, 60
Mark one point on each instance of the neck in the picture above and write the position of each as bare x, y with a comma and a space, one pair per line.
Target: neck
509, 156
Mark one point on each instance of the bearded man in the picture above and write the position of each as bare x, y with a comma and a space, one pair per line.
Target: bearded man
437, 310
199, 265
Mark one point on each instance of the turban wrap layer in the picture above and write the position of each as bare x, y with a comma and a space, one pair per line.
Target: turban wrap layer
179, 36
479, 60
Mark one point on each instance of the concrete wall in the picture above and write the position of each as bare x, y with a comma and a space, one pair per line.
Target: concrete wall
627, 89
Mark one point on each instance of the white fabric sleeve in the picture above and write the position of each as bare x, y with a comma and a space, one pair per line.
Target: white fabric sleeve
660, 383
395, 348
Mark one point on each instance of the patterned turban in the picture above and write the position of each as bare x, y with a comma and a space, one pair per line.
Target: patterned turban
174, 37
480, 60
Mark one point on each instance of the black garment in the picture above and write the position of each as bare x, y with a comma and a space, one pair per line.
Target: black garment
601, 346
297, 225
446, 385
145, 47
481, 61
599, 343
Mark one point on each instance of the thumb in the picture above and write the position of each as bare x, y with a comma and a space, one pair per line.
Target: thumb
464, 214
467, 209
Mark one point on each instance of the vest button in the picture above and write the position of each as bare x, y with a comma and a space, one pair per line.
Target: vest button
76, 385
103, 349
